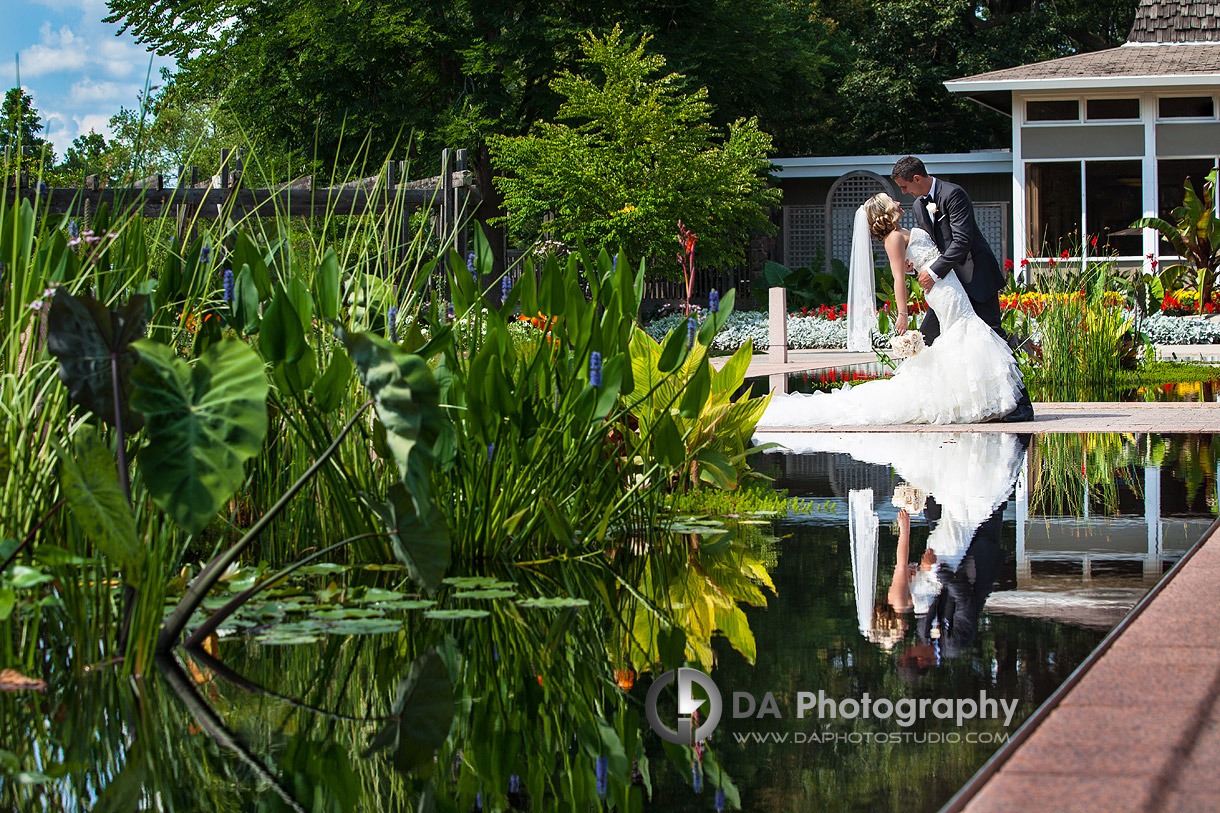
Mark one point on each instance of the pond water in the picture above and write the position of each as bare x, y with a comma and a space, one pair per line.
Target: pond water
1041, 546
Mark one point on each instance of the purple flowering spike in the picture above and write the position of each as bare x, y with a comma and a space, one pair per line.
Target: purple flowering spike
205, 256
228, 285
393, 319
514, 784
595, 368
696, 777
690, 332
470, 266
506, 286
491, 452
603, 775
713, 301
719, 799
73, 229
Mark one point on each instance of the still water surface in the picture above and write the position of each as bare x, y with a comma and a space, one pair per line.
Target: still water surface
1040, 546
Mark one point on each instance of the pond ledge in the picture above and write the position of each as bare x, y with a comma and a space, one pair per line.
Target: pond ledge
1138, 727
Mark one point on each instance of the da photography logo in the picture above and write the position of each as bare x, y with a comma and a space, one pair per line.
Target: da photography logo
687, 705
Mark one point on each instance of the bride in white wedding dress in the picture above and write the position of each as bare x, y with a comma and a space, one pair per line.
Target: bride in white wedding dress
968, 375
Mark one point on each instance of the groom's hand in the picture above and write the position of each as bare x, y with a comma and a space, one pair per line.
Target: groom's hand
926, 280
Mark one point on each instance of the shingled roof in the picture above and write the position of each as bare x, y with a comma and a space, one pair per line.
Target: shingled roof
1179, 21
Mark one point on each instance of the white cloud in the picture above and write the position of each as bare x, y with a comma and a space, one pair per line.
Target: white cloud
57, 51
90, 46
87, 91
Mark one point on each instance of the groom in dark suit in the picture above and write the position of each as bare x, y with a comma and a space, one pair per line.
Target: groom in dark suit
945, 211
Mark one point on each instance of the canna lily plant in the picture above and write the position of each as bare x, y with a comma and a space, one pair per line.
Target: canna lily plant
1194, 235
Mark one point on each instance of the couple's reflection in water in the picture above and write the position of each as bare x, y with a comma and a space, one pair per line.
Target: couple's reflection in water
959, 485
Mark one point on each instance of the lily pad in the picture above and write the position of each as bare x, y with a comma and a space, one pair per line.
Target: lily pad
287, 640
390, 568
366, 626
478, 583
376, 594
455, 615
553, 603
488, 594
322, 567
348, 612
407, 604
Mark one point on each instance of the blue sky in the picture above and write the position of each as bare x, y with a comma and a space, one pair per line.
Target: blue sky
74, 66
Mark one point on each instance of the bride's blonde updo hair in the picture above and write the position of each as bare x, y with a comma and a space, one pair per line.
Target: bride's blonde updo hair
883, 215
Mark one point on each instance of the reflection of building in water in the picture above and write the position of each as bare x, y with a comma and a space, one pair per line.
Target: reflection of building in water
1086, 570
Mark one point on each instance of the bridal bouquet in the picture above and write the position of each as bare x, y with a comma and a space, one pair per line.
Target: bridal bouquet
908, 344
911, 498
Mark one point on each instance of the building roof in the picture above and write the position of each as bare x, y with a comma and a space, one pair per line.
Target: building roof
1154, 64
1176, 21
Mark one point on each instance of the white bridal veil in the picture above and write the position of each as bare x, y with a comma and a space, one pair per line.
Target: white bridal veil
861, 288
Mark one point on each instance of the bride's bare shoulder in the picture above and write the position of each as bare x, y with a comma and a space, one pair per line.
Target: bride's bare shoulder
897, 238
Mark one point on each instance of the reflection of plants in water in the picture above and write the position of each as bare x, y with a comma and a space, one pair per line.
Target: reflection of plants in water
1066, 469
1192, 460
520, 696
701, 594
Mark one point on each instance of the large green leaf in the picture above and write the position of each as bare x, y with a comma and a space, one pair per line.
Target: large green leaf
280, 337
422, 545
326, 286
420, 716
85, 336
203, 424
90, 484
407, 399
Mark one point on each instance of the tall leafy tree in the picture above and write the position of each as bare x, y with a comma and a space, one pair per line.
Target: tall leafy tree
20, 123
632, 154
891, 95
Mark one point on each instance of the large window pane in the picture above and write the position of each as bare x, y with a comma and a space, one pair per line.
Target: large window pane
1171, 179
1056, 110
1113, 202
1187, 107
1053, 196
1112, 109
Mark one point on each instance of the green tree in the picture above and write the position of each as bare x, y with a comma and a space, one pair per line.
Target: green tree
898, 53
23, 149
635, 154
90, 154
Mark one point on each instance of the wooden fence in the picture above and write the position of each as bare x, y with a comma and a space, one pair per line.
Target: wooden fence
452, 195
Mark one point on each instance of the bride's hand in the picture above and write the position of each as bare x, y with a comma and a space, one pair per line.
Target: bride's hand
903, 323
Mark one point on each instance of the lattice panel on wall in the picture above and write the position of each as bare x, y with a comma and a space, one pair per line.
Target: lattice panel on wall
806, 229
990, 218
852, 190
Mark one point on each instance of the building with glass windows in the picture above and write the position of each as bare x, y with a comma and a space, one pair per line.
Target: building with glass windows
1099, 140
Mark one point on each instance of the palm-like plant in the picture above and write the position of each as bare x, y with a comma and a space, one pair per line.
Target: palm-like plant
1194, 235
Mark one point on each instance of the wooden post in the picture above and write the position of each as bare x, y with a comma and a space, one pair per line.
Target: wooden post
460, 198
224, 178
443, 196
777, 318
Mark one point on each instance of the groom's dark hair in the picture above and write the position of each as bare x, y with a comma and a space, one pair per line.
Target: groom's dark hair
907, 168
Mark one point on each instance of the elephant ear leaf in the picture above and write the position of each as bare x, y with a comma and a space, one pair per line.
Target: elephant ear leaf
407, 400
420, 717
204, 423
92, 342
90, 484
420, 543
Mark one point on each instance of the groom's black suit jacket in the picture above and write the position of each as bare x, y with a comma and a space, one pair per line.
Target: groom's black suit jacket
963, 248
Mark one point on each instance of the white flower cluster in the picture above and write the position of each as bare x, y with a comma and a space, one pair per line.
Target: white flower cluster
1163, 329
804, 332
911, 498
907, 344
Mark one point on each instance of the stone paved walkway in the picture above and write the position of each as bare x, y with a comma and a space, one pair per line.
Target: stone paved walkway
1140, 731
1049, 417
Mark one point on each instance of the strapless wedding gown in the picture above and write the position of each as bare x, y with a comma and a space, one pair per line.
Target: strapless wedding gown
968, 375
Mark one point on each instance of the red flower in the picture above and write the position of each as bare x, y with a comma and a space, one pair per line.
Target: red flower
1051, 262
1064, 254
1093, 241
1024, 262
1154, 265
1007, 265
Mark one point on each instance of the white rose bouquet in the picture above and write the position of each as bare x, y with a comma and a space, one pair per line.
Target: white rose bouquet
908, 344
911, 498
